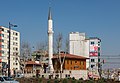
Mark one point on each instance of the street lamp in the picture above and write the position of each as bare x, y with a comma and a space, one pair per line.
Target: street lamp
10, 25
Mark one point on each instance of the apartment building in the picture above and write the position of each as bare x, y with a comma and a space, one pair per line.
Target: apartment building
79, 45
4, 49
88, 47
94, 53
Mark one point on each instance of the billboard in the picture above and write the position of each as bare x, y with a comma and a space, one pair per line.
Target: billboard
93, 50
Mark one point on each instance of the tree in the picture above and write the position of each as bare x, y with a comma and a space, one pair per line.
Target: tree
25, 54
40, 52
58, 48
42, 49
41, 46
59, 41
67, 45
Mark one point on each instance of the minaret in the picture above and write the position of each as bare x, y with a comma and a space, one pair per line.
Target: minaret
50, 41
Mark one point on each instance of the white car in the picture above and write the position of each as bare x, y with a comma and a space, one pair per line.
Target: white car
5, 79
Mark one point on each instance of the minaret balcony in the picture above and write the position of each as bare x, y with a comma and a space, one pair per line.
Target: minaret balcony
50, 32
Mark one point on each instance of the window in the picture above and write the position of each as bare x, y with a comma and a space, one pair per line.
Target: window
71, 62
92, 43
16, 49
13, 43
1, 35
16, 39
1, 46
16, 44
92, 60
7, 31
81, 62
8, 46
67, 61
1, 29
16, 53
16, 58
1, 40
16, 34
98, 48
1, 51
13, 33
75, 61
92, 66
7, 36
98, 60
98, 53
98, 42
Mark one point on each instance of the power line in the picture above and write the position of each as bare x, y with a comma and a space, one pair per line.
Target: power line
109, 57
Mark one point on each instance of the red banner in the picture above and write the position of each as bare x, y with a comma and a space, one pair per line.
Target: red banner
93, 53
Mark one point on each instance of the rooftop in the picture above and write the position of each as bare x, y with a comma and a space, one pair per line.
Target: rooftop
69, 56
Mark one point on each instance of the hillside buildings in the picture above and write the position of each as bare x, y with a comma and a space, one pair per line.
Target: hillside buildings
86, 47
4, 50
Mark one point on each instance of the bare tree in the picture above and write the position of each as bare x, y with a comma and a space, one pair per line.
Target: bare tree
59, 43
25, 54
67, 46
42, 48
59, 40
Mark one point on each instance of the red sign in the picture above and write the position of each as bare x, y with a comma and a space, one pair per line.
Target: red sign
93, 48
93, 53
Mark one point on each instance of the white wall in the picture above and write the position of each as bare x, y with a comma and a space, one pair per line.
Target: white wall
16, 44
76, 73
76, 40
79, 45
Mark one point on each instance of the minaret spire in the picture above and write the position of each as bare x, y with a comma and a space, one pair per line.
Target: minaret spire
49, 15
50, 41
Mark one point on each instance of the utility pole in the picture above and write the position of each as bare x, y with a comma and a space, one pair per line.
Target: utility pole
10, 25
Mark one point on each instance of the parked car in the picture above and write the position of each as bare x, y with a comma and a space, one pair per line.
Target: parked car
5, 79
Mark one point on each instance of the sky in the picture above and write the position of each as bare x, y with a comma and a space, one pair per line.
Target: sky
97, 18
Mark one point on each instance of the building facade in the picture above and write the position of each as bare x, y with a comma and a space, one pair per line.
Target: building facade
88, 47
4, 49
94, 52
73, 66
79, 45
